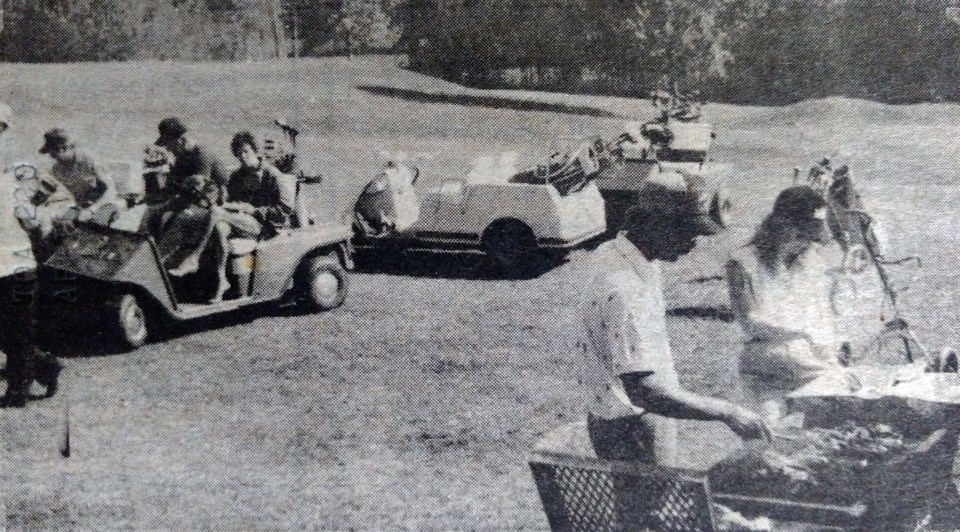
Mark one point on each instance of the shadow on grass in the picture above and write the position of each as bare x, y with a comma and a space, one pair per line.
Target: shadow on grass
495, 102
82, 340
465, 266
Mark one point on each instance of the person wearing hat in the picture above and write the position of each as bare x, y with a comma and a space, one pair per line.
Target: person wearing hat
782, 287
78, 189
633, 393
25, 362
78, 172
190, 158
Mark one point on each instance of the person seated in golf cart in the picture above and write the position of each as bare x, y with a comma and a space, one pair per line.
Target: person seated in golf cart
260, 201
77, 189
190, 158
258, 194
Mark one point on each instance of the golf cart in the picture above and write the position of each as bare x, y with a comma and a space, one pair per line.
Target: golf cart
664, 163
109, 272
505, 214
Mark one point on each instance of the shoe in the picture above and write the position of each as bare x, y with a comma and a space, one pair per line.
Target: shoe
950, 363
189, 265
50, 377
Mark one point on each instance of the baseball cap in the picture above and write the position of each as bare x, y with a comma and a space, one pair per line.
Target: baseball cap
681, 214
54, 139
170, 129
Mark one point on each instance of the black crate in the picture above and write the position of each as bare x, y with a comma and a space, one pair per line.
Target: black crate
585, 494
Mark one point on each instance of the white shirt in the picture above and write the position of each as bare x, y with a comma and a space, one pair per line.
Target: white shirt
625, 320
789, 310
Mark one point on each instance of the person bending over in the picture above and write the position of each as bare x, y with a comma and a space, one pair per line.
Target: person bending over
634, 395
189, 159
781, 292
75, 190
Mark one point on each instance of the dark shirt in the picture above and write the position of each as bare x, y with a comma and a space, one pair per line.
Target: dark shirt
196, 161
270, 191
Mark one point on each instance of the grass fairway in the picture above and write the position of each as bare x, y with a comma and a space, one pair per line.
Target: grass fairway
414, 405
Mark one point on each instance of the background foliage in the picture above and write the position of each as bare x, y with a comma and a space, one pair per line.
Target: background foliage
735, 50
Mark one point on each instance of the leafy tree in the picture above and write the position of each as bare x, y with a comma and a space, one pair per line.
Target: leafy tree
66, 30
363, 26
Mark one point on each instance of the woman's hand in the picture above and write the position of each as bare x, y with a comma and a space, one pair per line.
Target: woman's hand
748, 425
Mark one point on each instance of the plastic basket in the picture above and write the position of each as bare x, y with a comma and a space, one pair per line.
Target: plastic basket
586, 494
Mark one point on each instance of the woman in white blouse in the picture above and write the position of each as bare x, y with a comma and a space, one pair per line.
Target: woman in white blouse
782, 289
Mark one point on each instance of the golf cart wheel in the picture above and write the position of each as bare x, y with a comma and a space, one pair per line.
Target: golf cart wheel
509, 242
127, 320
720, 207
324, 284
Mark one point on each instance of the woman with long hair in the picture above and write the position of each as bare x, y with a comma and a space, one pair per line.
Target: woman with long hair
781, 292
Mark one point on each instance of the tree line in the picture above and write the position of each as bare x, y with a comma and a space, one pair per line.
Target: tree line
733, 50
117, 30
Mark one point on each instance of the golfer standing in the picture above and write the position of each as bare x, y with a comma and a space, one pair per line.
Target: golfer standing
18, 326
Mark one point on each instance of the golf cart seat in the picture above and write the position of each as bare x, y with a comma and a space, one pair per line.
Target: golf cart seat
242, 246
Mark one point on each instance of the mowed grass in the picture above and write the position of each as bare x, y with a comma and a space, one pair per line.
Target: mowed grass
415, 404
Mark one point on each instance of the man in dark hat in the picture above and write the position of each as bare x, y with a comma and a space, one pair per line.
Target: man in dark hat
75, 190
190, 158
85, 180
630, 381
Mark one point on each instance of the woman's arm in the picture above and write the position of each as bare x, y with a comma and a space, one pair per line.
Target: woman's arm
284, 195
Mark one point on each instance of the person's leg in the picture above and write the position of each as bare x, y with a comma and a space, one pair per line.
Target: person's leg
622, 439
184, 241
17, 336
231, 225
631, 439
221, 246
243, 225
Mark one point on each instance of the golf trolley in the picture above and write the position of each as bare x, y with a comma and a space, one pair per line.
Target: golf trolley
852, 227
